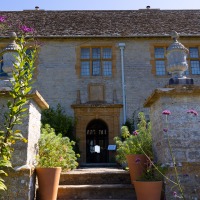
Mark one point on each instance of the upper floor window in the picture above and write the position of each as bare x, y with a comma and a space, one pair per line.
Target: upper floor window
96, 61
194, 60
160, 61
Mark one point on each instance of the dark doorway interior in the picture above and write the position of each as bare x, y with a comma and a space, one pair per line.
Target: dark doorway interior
97, 135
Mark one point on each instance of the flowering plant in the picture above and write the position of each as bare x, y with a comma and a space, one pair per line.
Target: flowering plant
128, 143
20, 86
55, 150
157, 171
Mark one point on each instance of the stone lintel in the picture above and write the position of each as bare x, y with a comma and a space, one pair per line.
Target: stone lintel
172, 90
35, 95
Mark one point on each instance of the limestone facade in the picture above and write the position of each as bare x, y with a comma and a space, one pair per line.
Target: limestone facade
58, 76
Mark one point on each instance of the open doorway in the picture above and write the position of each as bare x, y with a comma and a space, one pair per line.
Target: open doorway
97, 135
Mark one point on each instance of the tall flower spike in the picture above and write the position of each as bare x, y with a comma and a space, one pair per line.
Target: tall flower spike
166, 112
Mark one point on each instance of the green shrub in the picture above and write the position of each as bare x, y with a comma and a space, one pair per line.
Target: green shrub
55, 150
59, 120
61, 123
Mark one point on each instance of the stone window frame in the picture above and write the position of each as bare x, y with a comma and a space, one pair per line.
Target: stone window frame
189, 59
165, 46
153, 59
96, 45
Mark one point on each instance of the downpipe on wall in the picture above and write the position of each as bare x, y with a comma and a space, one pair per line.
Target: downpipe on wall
122, 47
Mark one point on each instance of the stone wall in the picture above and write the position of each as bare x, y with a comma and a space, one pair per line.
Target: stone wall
21, 179
183, 133
58, 79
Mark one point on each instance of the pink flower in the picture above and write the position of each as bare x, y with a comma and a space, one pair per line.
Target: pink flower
194, 112
175, 194
2, 19
137, 160
166, 112
135, 133
26, 29
165, 130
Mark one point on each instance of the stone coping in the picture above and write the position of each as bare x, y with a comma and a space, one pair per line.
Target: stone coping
103, 105
170, 90
35, 95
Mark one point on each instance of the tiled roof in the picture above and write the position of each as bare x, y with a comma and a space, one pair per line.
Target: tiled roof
131, 23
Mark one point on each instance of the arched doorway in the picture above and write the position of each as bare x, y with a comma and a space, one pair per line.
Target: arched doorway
97, 135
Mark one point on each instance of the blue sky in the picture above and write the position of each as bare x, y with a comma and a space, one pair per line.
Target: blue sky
7, 5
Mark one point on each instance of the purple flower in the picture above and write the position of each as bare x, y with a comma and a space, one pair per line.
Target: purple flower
185, 175
166, 112
175, 194
137, 160
194, 112
2, 19
26, 29
135, 133
165, 130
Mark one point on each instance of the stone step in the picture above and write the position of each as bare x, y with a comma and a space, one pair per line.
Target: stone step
95, 184
95, 176
102, 191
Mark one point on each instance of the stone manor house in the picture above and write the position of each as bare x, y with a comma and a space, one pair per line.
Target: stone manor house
102, 65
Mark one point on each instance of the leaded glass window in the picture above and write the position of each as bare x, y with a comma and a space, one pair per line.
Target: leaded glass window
96, 61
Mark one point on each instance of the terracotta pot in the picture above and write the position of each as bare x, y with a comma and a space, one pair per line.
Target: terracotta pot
48, 181
148, 190
136, 169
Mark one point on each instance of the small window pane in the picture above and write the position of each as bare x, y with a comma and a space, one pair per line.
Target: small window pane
85, 68
96, 70
160, 68
159, 53
107, 53
194, 53
85, 53
107, 68
2, 73
195, 67
96, 52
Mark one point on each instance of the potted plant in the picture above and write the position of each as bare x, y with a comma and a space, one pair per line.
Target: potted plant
55, 154
149, 185
129, 150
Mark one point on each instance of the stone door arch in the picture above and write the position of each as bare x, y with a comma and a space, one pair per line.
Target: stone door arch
86, 113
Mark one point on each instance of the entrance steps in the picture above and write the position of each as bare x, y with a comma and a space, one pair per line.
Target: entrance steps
96, 184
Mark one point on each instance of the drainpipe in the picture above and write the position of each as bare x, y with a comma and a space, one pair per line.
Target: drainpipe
122, 46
